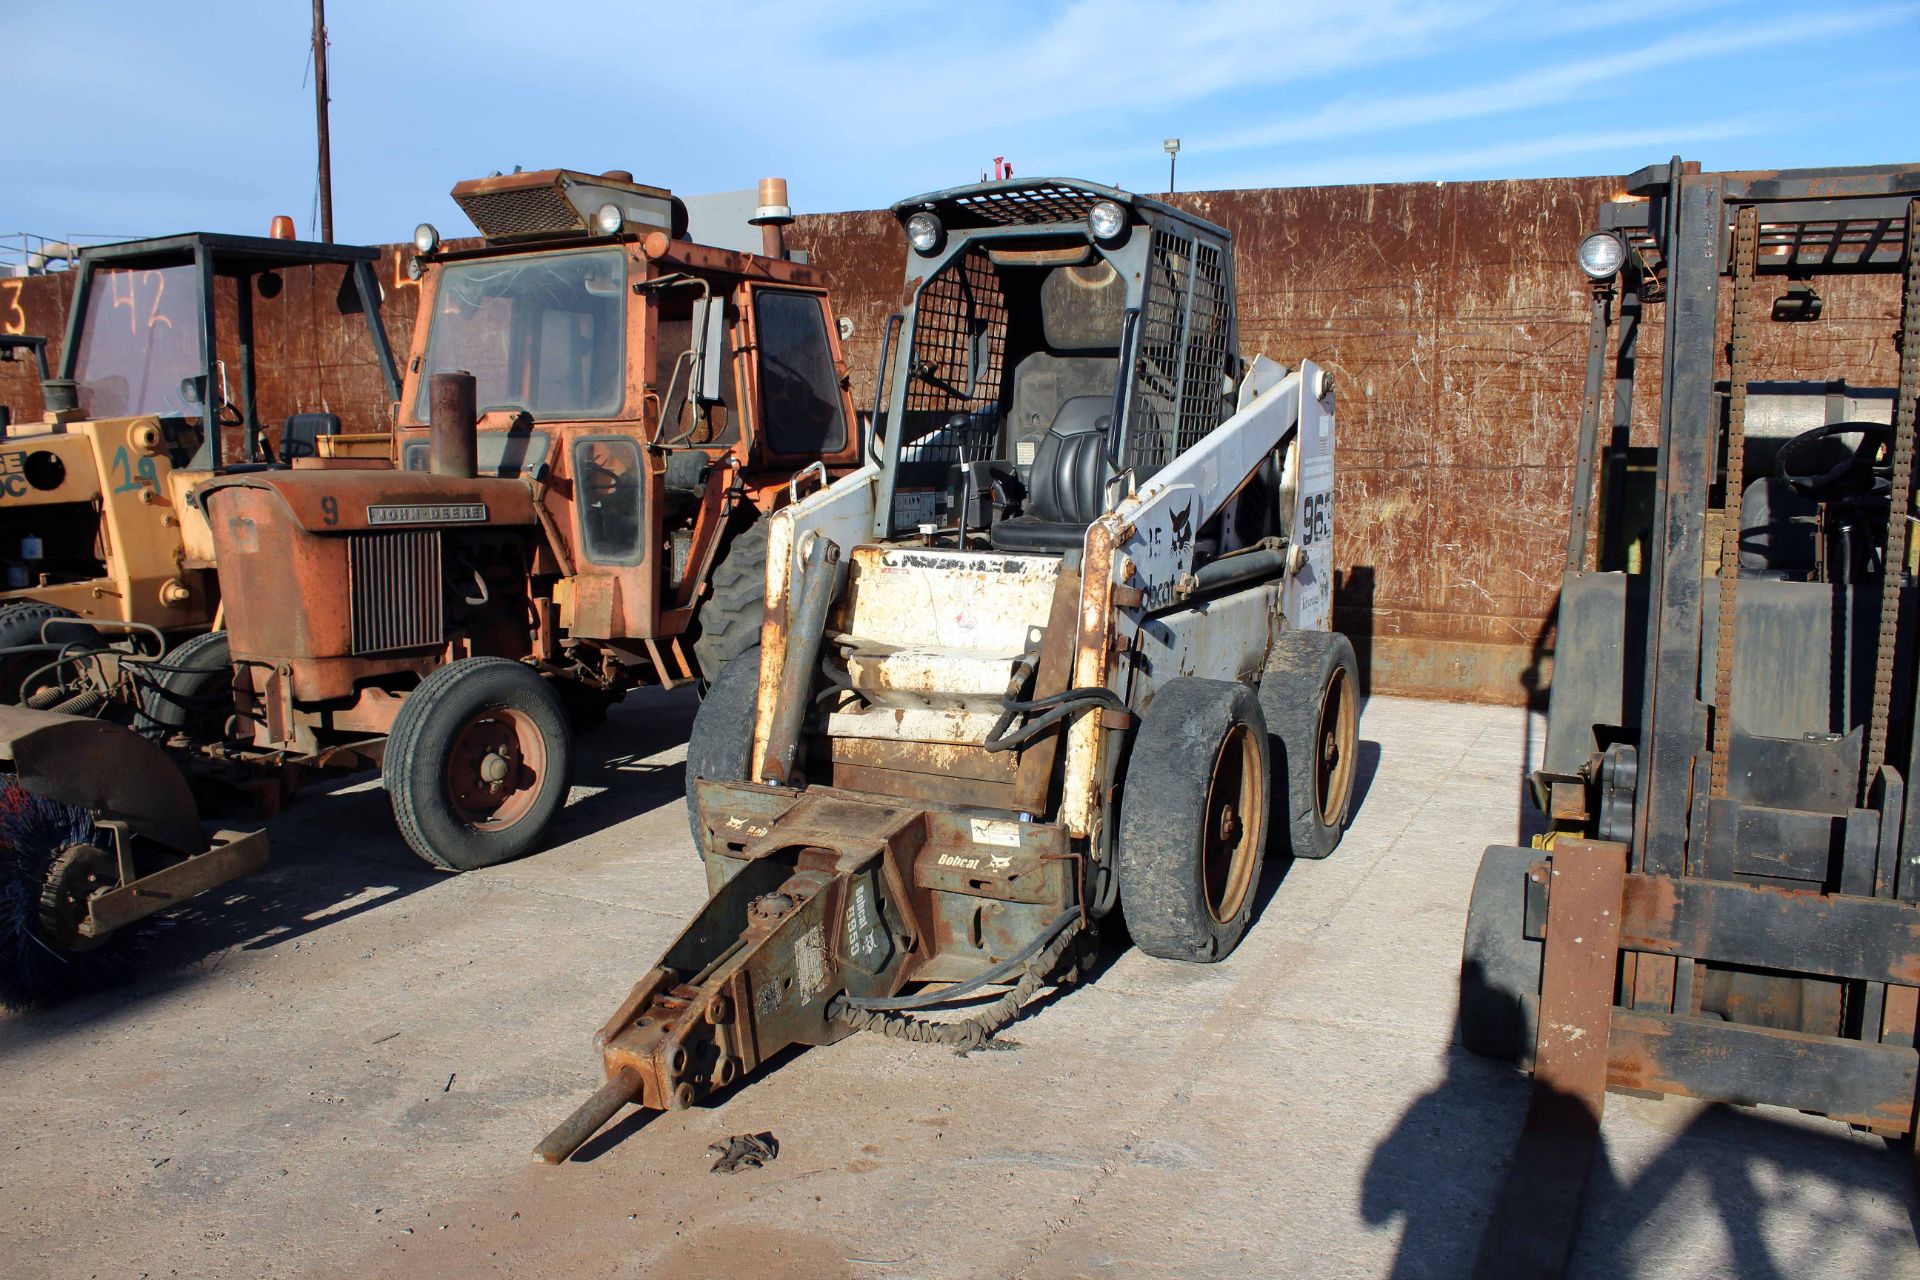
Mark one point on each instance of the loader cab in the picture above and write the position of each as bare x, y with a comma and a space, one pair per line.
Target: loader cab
1064, 342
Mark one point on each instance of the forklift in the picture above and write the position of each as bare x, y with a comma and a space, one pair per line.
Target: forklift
1060, 652
1726, 904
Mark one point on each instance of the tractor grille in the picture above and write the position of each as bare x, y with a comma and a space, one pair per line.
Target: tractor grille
531, 211
1185, 331
397, 599
1028, 205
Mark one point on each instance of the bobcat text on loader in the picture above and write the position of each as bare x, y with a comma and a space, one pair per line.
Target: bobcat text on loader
1061, 649
1728, 906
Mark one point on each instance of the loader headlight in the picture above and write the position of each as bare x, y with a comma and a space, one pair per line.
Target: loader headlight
426, 238
1107, 221
608, 219
1601, 254
925, 233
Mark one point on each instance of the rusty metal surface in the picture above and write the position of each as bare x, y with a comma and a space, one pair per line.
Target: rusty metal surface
110, 771
1533, 1222
232, 855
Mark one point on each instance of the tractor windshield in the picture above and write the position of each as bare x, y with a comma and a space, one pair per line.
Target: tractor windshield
139, 338
542, 332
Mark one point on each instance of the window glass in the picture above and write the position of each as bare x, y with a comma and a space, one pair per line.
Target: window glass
139, 338
501, 453
545, 333
800, 410
608, 491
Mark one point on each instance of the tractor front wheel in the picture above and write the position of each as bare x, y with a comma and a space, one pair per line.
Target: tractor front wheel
478, 763
193, 693
1193, 820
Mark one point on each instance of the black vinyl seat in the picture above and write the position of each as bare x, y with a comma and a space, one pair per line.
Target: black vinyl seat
302, 430
1067, 486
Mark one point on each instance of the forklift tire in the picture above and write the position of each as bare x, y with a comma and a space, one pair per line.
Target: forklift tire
20, 622
1190, 853
730, 616
1499, 964
468, 720
194, 692
722, 736
1310, 694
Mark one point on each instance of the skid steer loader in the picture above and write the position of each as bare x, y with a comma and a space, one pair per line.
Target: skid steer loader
110, 586
1727, 905
1061, 649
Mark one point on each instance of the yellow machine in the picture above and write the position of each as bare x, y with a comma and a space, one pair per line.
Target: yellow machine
95, 520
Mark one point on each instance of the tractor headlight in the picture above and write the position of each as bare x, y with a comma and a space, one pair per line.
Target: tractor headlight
1107, 221
925, 233
426, 238
1601, 254
608, 220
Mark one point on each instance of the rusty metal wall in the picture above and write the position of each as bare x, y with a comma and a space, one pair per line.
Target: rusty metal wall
1454, 323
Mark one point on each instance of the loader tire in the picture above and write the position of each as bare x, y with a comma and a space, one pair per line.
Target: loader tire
478, 762
1193, 820
730, 616
1310, 693
20, 622
722, 736
1499, 964
193, 694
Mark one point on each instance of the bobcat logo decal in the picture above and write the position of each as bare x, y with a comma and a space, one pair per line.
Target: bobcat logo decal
1183, 529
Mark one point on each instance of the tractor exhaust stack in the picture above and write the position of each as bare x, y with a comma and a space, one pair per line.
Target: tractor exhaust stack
455, 445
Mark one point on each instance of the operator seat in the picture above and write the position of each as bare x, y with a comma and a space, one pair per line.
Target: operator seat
1067, 487
1778, 531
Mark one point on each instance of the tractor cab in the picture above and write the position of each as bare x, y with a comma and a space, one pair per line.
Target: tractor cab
174, 366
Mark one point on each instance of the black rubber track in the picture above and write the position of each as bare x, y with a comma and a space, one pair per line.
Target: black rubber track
729, 618
722, 734
1163, 812
414, 769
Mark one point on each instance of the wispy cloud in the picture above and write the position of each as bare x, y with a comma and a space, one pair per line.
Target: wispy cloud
1354, 115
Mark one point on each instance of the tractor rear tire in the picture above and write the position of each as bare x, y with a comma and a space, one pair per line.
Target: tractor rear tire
1310, 693
1499, 964
722, 736
20, 622
1193, 820
194, 693
731, 615
478, 763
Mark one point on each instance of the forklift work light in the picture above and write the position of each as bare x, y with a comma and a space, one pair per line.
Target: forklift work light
1601, 255
607, 219
426, 238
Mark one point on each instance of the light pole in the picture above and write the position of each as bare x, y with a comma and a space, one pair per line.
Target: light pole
1173, 151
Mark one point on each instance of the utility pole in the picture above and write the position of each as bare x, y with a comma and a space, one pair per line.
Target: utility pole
320, 114
1172, 146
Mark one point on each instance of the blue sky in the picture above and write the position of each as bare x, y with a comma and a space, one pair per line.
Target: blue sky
154, 117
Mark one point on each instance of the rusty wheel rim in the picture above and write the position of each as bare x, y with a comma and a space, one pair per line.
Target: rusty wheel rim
1234, 803
1334, 753
494, 768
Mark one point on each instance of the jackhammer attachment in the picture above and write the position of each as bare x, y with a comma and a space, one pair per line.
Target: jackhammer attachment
818, 909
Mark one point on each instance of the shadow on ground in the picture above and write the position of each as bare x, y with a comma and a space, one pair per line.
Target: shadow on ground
335, 854
1440, 1172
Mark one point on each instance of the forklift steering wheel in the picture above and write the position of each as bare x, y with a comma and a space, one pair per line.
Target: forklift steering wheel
1800, 460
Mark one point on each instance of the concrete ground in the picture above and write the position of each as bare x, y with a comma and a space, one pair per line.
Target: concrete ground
339, 1070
